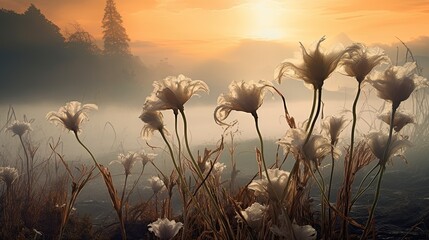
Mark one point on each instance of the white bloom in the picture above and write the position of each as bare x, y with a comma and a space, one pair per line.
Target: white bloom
157, 184
397, 83
276, 189
217, 168
254, 215
305, 232
165, 229
361, 60
127, 160
242, 96
71, 115
153, 122
146, 157
173, 93
377, 141
19, 128
333, 126
316, 66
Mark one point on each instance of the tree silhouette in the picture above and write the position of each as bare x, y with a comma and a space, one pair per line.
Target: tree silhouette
115, 37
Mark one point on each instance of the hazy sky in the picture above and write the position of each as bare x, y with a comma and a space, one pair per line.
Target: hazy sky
205, 27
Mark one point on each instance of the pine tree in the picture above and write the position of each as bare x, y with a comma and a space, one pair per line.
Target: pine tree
115, 37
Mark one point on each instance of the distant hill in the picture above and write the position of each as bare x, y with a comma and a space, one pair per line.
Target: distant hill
38, 63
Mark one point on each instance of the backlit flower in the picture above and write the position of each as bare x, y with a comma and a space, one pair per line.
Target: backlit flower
157, 184
360, 61
153, 122
401, 119
71, 115
316, 66
19, 128
173, 92
146, 157
397, 83
217, 169
127, 160
273, 191
305, 232
332, 126
243, 96
254, 215
377, 141
8, 175
165, 229
315, 150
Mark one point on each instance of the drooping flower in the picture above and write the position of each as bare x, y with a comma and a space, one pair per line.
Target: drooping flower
127, 160
19, 128
71, 115
316, 66
153, 122
273, 191
243, 96
146, 157
254, 215
377, 142
8, 175
396, 83
165, 229
360, 61
157, 184
332, 127
173, 92
401, 119
315, 150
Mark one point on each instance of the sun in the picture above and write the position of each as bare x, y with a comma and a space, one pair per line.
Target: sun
264, 18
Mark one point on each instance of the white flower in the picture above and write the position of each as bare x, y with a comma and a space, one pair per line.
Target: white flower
173, 93
165, 229
242, 96
316, 66
71, 115
276, 189
315, 150
8, 175
127, 161
377, 141
397, 83
217, 168
333, 126
153, 122
360, 61
401, 119
146, 157
157, 184
254, 215
19, 128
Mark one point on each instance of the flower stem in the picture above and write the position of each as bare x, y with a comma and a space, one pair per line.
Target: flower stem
383, 168
344, 229
28, 168
255, 116
360, 190
312, 108
319, 102
179, 145
329, 190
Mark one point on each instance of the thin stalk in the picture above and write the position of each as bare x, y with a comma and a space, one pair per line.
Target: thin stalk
255, 116
123, 191
227, 229
329, 189
179, 145
28, 168
322, 202
118, 211
344, 229
319, 101
360, 192
312, 108
383, 168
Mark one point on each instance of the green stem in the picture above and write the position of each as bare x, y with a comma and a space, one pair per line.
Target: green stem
312, 108
319, 101
362, 191
118, 211
344, 229
383, 167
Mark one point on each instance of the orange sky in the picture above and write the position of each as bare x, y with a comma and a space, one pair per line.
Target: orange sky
204, 27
